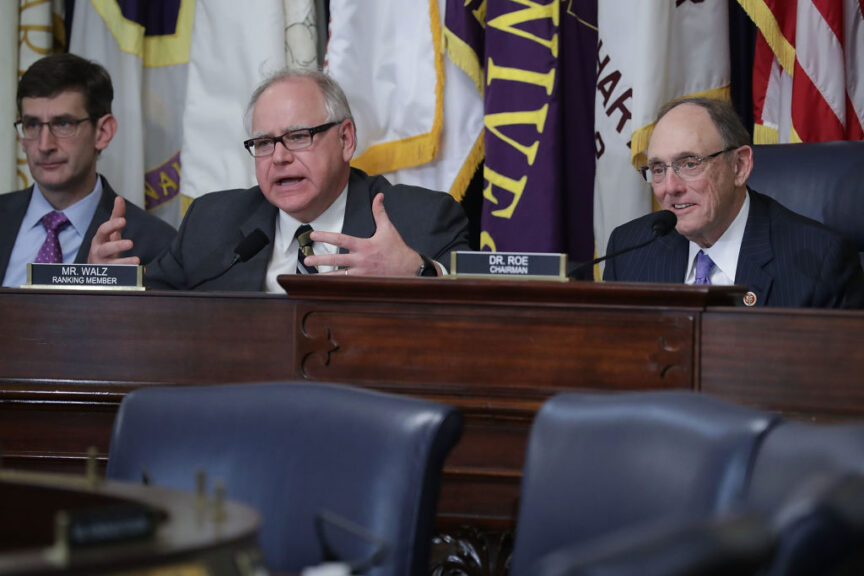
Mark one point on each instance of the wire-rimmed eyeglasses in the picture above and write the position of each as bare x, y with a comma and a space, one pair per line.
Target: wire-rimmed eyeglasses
688, 168
31, 129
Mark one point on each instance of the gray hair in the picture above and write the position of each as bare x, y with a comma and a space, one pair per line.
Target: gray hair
723, 116
335, 101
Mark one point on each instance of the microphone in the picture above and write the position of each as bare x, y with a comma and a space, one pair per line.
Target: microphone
244, 251
257, 240
662, 222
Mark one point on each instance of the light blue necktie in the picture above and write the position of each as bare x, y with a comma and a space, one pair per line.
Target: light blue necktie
704, 264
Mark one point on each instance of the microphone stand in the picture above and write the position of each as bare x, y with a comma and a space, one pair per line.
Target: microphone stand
574, 273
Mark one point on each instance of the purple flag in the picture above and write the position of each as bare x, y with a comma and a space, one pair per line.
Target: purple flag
540, 63
578, 60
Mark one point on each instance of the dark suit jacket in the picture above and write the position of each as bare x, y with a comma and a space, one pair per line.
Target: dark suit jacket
785, 259
432, 223
150, 234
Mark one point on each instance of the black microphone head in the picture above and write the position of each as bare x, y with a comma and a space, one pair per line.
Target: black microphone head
663, 222
251, 245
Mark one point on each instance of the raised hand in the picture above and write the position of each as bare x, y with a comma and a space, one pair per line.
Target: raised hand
108, 243
384, 254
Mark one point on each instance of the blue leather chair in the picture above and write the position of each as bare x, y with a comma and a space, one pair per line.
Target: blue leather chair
817, 530
737, 545
294, 450
799, 487
599, 464
810, 479
823, 181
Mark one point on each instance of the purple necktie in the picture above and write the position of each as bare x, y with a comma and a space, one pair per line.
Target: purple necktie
704, 264
50, 252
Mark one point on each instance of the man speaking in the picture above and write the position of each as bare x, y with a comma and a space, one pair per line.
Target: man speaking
310, 213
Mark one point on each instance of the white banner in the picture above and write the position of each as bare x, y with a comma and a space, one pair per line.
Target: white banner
232, 51
8, 84
460, 149
301, 33
37, 24
147, 61
650, 52
620, 194
387, 56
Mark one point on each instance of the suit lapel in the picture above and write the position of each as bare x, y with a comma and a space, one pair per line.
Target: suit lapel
756, 251
264, 219
247, 275
102, 214
358, 220
12, 211
672, 250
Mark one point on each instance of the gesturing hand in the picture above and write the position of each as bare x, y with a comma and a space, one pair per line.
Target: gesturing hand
384, 254
108, 243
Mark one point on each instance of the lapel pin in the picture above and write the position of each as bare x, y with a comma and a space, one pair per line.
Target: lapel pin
749, 299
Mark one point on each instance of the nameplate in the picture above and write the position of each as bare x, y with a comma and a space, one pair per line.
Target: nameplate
509, 265
110, 524
85, 276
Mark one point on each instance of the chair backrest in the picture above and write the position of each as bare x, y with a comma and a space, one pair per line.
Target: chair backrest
822, 180
737, 545
600, 463
795, 454
293, 450
810, 478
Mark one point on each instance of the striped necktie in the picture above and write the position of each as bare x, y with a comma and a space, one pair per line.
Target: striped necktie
305, 250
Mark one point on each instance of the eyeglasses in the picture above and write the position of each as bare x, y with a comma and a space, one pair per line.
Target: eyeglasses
291, 140
687, 168
31, 129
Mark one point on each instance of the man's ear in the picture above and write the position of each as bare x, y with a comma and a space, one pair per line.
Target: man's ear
106, 127
347, 139
743, 165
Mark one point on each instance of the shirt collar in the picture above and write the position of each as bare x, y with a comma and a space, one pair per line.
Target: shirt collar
331, 220
724, 252
80, 214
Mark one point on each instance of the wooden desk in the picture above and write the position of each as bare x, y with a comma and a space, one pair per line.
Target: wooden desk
494, 349
805, 363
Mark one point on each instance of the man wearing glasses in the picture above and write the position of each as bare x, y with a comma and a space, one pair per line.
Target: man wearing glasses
699, 159
64, 122
311, 212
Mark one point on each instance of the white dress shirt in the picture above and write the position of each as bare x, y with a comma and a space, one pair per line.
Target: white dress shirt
724, 252
283, 260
